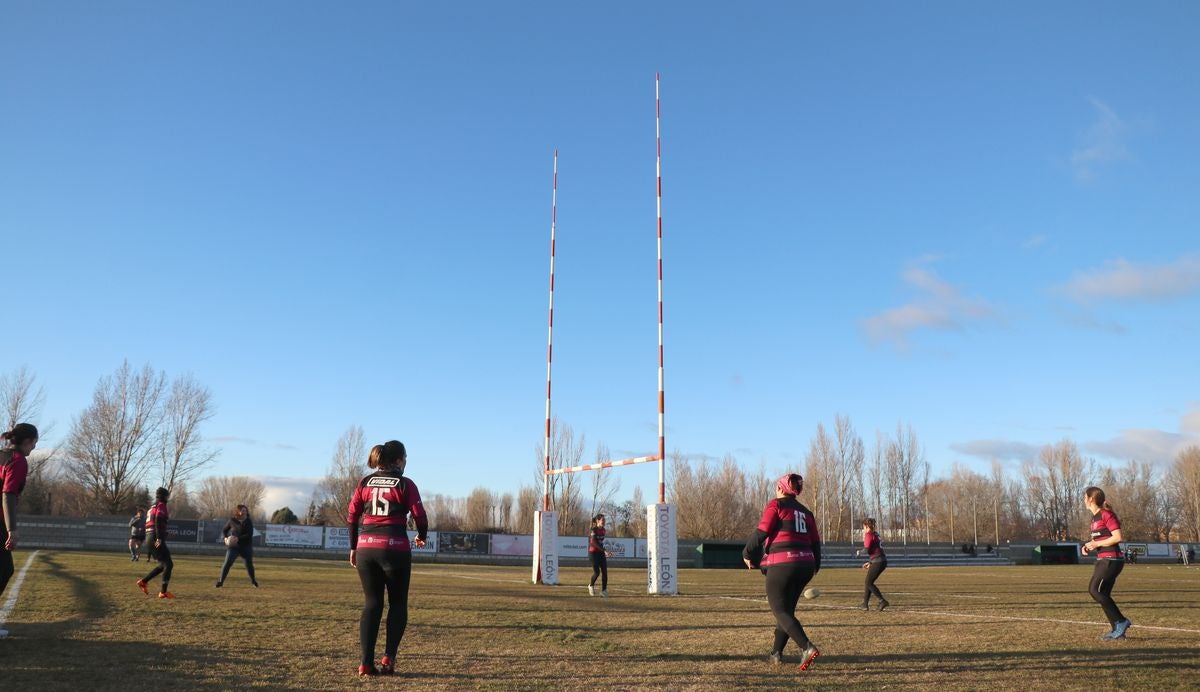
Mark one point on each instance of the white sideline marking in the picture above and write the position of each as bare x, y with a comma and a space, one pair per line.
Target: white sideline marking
810, 604
16, 589
962, 615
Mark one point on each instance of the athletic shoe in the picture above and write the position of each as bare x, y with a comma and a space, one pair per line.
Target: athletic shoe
775, 659
865, 606
218, 584
604, 593
1112, 634
165, 594
387, 666
141, 584
883, 604
254, 583
367, 671
1121, 627
591, 590
810, 654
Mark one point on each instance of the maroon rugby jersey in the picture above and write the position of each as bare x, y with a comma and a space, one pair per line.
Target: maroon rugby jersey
383, 501
12, 474
1104, 523
156, 521
596, 540
791, 531
873, 545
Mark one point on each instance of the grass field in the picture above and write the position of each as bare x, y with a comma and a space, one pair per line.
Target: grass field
80, 623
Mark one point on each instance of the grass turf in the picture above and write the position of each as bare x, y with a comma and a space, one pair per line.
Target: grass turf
80, 623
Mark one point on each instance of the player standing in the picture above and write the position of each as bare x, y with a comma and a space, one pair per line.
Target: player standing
19, 443
599, 556
156, 539
792, 556
380, 551
875, 564
241, 527
137, 534
1106, 543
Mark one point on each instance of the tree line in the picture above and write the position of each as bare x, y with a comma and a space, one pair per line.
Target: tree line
142, 430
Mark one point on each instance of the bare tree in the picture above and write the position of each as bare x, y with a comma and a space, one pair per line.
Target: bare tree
604, 483
875, 476
506, 511
115, 439
480, 510
637, 513
1054, 485
188, 405
346, 469
445, 513
219, 495
565, 488
715, 501
529, 500
1183, 487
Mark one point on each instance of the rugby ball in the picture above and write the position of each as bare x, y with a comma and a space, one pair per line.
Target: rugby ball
811, 593
231, 541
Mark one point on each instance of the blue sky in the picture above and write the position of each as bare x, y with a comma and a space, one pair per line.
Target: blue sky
977, 220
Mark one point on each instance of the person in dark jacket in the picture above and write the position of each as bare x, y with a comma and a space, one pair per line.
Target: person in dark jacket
238, 535
137, 534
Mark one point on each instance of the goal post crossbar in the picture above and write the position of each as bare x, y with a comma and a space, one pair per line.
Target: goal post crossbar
604, 465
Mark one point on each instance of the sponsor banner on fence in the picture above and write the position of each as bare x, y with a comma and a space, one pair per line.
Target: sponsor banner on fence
1159, 550
295, 535
454, 542
574, 546
338, 538
504, 544
187, 531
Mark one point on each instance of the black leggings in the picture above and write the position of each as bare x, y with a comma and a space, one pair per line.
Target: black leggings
873, 573
6, 561
785, 583
163, 554
232, 554
599, 567
379, 569
1103, 578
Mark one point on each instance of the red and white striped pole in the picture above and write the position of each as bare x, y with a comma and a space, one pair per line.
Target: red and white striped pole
550, 335
662, 440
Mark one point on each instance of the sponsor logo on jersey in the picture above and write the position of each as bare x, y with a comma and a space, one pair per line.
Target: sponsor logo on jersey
383, 482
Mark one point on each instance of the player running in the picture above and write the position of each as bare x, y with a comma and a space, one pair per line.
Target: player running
239, 542
380, 551
1106, 544
599, 556
791, 556
137, 534
875, 564
14, 467
156, 539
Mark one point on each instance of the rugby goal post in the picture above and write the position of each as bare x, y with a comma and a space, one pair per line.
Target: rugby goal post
662, 572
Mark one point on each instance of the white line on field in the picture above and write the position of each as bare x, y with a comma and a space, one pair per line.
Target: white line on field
16, 589
810, 604
963, 615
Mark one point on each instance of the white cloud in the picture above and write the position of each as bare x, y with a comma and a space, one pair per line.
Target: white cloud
1189, 423
942, 306
1120, 279
1102, 143
1033, 242
1142, 444
283, 491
